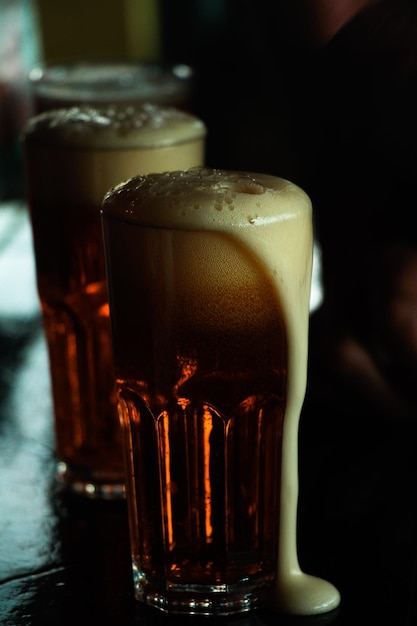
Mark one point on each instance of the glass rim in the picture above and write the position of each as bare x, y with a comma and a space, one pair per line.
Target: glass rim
103, 79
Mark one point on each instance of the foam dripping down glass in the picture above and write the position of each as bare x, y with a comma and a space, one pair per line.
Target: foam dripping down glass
209, 277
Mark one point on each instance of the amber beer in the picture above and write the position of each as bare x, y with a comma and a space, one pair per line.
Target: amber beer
209, 282
73, 157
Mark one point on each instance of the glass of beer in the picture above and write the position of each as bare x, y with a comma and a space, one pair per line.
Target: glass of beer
73, 157
62, 85
209, 277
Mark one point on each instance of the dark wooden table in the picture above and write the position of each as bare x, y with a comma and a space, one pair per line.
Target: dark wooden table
66, 561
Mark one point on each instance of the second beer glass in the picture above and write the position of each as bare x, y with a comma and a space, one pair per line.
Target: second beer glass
209, 282
73, 157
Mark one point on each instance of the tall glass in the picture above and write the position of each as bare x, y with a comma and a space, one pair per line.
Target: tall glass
73, 157
209, 282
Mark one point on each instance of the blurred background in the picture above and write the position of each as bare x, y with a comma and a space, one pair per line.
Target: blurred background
237, 49
34, 31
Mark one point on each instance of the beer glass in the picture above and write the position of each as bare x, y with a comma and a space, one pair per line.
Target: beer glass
209, 279
73, 157
62, 85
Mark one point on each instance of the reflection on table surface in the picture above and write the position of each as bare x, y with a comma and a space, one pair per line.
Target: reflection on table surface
65, 561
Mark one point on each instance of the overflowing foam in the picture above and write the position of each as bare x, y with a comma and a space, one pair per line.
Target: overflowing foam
203, 197
268, 218
267, 222
115, 126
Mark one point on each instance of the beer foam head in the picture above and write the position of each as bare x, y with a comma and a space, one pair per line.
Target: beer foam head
205, 198
114, 126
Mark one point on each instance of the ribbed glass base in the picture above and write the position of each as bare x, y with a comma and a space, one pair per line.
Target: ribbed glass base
191, 599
